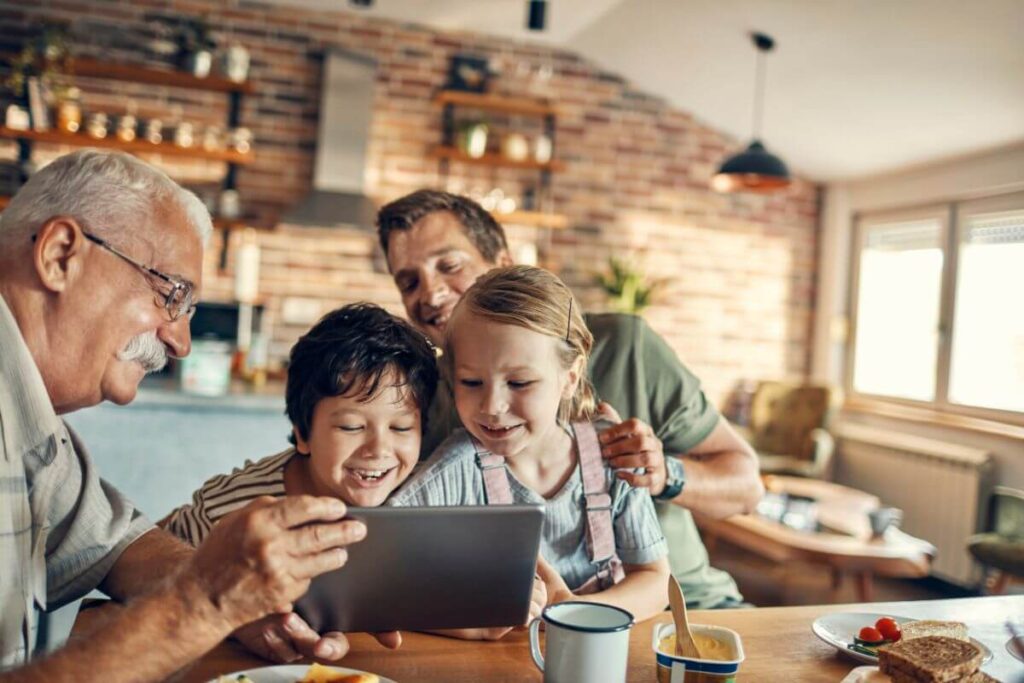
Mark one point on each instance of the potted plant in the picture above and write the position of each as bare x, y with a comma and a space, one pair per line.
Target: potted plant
628, 290
196, 45
46, 58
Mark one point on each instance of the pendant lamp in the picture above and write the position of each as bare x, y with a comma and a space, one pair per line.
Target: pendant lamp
755, 169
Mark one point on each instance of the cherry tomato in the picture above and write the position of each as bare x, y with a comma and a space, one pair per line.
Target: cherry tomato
870, 634
889, 629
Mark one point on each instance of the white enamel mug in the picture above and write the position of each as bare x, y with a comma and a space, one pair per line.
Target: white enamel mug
585, 641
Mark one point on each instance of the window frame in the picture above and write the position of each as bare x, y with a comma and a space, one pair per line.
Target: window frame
952, 216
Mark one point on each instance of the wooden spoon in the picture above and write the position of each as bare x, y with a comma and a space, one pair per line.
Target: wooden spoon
685, 645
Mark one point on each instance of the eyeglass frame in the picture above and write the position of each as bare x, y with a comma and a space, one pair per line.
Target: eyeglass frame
177, 284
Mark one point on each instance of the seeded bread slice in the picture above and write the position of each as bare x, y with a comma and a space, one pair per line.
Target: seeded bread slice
930, 659
931, 627
976, 677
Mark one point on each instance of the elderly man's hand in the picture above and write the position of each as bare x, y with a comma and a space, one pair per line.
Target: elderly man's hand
261, 558
286, 637
632, 444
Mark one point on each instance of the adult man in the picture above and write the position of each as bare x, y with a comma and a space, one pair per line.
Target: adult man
437, 244
100, 265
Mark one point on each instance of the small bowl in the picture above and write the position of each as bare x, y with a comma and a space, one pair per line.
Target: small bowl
673, 668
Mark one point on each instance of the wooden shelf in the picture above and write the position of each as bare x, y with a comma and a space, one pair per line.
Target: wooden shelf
229, 223
136, 146
455, 154
554, 221
508, 105
83, 66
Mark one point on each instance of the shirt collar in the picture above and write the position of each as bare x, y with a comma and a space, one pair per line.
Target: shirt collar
29, 422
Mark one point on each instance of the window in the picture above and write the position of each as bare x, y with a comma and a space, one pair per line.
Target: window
987, 364
938, 308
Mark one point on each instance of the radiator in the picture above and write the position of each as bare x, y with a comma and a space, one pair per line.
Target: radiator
941, 487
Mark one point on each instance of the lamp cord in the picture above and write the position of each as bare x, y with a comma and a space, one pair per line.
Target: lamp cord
758, 94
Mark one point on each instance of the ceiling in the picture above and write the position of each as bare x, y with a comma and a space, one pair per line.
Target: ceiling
854, 87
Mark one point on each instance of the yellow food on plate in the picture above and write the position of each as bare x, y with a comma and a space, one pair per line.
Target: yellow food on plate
319, 673
710, 648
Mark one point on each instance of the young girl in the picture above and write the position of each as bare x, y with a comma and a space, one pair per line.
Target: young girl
516, 353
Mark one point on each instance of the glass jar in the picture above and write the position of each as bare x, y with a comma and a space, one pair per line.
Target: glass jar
69, 112
183, 134
126, 126
153, 131
96, 125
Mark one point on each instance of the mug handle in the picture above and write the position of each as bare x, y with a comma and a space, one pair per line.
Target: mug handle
535, 643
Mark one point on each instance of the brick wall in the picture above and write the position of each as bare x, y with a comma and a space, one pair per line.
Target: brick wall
739, 271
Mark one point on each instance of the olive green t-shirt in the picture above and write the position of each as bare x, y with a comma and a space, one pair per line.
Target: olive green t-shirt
636, 371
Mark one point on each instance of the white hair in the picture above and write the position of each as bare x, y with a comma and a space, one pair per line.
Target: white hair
112, 193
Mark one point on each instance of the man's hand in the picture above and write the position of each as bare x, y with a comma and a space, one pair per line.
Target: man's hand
286, 637
261, 558
632, 444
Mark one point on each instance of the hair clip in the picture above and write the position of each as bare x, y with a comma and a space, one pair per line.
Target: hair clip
568, 323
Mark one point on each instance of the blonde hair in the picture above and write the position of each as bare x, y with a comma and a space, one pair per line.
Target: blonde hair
536, 299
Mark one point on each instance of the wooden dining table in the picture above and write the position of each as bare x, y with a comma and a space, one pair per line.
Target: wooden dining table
777, 641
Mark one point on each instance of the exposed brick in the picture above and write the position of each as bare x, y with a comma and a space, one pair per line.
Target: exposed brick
738, 271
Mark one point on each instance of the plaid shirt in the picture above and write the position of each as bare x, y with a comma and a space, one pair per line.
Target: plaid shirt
61, 526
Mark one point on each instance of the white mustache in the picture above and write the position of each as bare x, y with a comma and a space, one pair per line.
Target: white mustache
147, 350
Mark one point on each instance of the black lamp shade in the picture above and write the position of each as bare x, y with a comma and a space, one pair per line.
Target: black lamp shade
755, 169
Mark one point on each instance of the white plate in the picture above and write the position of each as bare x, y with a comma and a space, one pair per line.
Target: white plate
866, 674
839, 629
287, 673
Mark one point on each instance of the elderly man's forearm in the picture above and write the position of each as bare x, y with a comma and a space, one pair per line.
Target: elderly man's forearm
155, 553
178, 617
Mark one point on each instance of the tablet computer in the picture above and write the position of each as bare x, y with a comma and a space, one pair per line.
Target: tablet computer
426, 568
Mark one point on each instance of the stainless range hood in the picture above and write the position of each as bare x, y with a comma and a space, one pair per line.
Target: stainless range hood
346, 111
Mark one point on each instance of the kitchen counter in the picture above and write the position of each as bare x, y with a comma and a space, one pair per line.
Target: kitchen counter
165, 391
165, 444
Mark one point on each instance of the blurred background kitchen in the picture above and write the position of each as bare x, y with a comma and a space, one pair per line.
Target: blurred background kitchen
853, 300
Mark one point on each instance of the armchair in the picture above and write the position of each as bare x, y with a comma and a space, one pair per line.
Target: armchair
1002, 546
788, 428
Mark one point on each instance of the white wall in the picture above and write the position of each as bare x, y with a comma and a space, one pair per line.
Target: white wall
984, 174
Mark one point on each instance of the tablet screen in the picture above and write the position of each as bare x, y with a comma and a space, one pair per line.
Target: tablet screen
427, 568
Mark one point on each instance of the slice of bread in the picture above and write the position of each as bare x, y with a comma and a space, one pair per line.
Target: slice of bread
931, 627
976, 677
930, 659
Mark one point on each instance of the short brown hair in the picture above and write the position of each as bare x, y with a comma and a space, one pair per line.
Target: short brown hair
354, 351
483, 231
530, 297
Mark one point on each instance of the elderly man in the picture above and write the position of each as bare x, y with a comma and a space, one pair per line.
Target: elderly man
437, 244
100, 266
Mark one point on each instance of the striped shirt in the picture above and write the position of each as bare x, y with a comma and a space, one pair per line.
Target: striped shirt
225, 493
62, 528
452, 477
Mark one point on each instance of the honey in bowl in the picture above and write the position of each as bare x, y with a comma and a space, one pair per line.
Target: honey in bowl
710, 648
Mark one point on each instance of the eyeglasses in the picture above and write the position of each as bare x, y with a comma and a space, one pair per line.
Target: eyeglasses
178, 301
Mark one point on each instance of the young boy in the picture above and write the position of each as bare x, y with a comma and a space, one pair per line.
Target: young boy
359, 386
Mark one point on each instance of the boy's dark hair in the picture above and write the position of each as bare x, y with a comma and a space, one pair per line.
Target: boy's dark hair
351, 350
480, 227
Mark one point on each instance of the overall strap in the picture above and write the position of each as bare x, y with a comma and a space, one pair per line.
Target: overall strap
495, 474
598, 503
